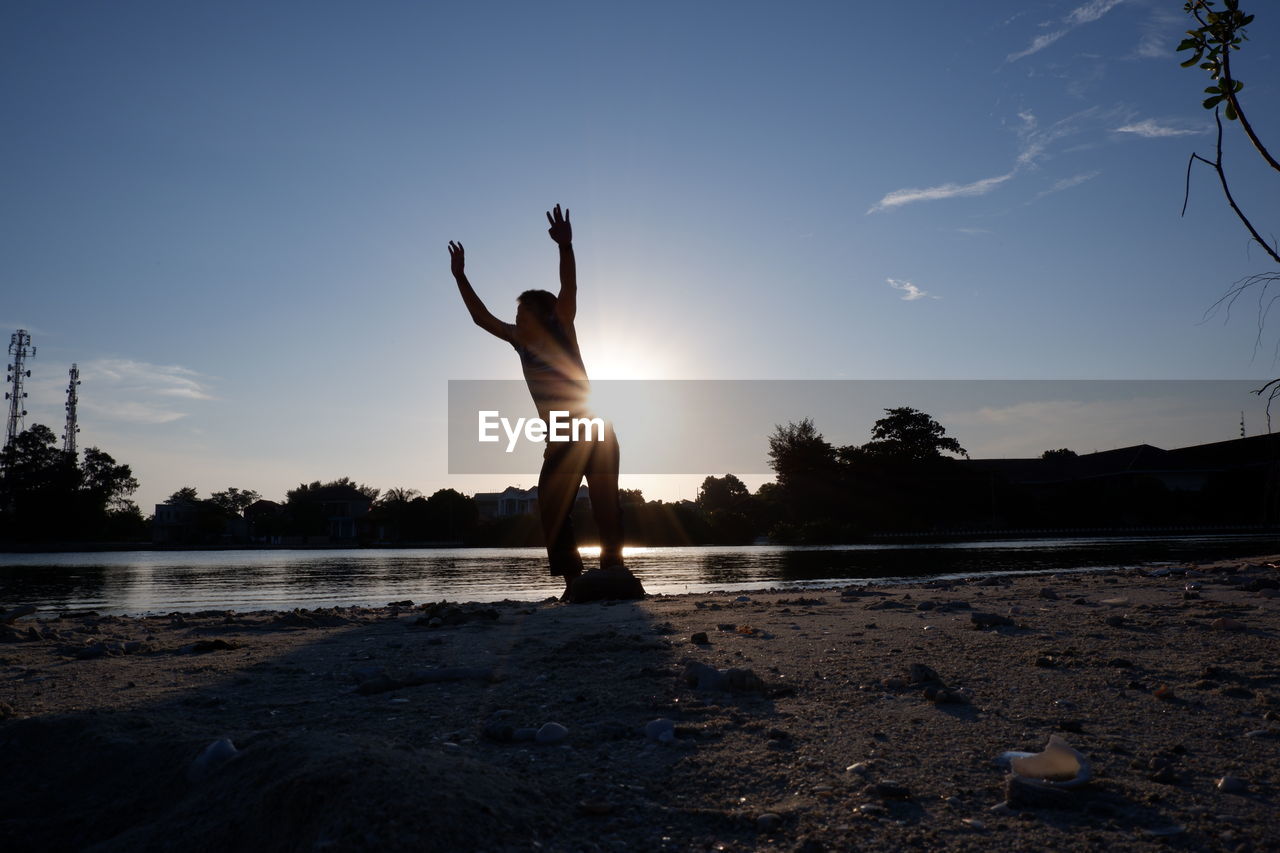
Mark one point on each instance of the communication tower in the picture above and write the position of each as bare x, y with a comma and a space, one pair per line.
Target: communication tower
19, 349
69, 436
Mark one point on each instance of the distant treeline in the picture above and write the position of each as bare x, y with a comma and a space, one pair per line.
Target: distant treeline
911, 478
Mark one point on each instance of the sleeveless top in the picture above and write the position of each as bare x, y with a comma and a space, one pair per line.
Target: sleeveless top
555, 374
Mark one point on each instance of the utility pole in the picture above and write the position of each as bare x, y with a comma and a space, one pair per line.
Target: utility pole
19, 349
69, 436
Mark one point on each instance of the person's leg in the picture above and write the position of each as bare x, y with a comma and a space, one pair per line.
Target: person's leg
612, 580
557, 489
606, 506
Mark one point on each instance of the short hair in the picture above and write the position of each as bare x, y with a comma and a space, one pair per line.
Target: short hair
541, 301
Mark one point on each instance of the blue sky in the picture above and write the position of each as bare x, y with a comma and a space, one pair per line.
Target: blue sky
233, 216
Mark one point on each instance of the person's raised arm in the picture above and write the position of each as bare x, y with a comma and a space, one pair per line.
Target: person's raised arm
562, 233
479, 313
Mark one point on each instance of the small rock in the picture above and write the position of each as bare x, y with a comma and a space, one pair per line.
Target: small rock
989, 620
1120, 663
1232, 785
700, 639
921, 674
1115, 620
1226, 623
1164, 692
862, 768
974, 823
1049, 594
211, 758
551, 733
655, 730
768, 822
524, 734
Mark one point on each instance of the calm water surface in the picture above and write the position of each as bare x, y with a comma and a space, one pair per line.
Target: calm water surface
165, 581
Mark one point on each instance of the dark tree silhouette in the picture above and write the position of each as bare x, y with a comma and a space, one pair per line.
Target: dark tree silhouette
910, 434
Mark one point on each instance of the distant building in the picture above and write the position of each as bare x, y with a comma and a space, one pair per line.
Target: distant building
513, 501
345, 510
196, 523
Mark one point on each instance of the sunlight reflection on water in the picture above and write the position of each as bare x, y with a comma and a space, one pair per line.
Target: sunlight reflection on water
164, 581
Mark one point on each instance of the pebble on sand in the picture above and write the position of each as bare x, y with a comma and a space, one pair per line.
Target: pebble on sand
551, 733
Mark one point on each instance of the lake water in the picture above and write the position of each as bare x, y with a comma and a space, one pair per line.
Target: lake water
164, 581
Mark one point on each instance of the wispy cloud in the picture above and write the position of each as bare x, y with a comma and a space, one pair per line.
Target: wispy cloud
1036, 142
1086, 14
138, 392
1160, 32
1151, 129
897, 198
910, 293
1068, 183
140, 376
972, 232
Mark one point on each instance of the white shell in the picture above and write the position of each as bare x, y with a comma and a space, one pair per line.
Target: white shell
1058, 764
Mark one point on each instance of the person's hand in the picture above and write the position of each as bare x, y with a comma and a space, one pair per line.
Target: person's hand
457, 260
560, 229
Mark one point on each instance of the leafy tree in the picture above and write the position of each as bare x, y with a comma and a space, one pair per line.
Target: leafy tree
105, 483
910, 434
722, 493
1060, 453
185, 495
233, 501
1219, 32
399, 495
44, 495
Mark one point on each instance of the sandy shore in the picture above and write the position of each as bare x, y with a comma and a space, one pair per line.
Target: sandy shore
427, 727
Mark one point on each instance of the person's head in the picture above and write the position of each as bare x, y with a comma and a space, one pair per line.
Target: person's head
535, 310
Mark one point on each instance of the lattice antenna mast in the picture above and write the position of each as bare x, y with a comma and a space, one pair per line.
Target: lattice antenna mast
20, 349
69, 436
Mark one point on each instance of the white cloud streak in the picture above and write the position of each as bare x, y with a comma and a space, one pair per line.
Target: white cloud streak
897, 198
1151, 129
1068, 183
137, 392
1086, 14
910, 293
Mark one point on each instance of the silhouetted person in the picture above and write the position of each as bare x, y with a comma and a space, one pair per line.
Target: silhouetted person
544, 337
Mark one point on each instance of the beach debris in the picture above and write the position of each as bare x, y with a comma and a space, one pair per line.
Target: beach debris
661, 730
1232, 785
551, 733
211, 758
1226, 623
1119, 601
1058, 765
1164, 692
974, 823
988, 620
862, 768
